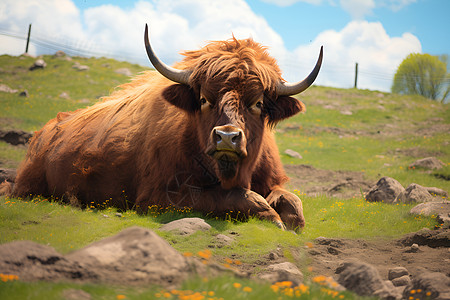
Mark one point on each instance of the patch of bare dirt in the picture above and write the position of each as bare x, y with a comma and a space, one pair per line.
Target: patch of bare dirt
327, 253
414, 152
312, 181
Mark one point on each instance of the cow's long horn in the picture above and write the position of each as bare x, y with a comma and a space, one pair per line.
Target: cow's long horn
287, 88
180, 76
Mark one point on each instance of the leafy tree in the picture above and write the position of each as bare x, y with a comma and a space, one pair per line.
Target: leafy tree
423, 74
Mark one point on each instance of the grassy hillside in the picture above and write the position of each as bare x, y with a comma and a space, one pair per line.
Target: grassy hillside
378, 134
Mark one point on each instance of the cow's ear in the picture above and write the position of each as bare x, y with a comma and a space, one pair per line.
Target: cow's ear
282, 108
182, 96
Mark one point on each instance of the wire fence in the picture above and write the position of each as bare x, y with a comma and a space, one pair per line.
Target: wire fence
83, 48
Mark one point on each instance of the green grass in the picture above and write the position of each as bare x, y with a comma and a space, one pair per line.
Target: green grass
46, 85
381, 137
67, 228
224, 287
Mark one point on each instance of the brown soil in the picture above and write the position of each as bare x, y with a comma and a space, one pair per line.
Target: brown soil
312, 181
327, 254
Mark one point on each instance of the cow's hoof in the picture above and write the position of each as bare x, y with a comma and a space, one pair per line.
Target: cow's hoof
280, 225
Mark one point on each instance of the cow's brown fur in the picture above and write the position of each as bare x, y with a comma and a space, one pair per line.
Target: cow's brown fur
130, 149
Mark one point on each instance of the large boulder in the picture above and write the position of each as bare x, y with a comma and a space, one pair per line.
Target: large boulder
428, 285
135, 256
364, 280
386, 190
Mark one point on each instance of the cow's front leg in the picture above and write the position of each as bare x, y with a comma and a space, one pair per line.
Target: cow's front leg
219, 202
288, 206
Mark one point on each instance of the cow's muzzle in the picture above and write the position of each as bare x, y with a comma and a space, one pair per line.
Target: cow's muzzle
228, 143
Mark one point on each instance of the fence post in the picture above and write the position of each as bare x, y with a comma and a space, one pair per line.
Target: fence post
28, 38
356, 75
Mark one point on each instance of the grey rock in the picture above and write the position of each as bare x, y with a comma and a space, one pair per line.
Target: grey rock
75, 294
430, 163
64, 95
364, 280
124, 71
437, 191
80, 67
186, 226
441, 209
386, 190
38, 64
6, 89
135, 256
414, 193
24, 93
432, 285
293, 153
397, 272
223, 240
285, 271
401, 281
7, 175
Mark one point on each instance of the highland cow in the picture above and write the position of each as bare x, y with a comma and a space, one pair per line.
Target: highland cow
197, 135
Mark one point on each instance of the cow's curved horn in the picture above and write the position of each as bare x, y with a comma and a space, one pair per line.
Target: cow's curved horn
287, 88
180, 76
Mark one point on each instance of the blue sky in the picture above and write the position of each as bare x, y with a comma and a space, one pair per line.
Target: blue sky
377, 34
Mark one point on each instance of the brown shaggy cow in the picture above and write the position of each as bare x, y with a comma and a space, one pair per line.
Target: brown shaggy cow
199, 136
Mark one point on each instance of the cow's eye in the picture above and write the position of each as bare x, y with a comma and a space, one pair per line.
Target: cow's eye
205, 103
257, 107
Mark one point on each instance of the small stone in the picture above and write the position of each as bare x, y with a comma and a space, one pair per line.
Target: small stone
346, 112
223, 240
124, 71
293, 153
38, 64
24, 93
105, 216
273, 256
76, 294
397, 272
414, 248
186, 226
119, 215
286, 271
401, 281
64, 95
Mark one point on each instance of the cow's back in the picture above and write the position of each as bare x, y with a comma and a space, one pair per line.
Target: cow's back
95, 154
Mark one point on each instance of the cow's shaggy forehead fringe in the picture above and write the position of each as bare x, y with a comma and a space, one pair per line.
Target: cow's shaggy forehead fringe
239, 59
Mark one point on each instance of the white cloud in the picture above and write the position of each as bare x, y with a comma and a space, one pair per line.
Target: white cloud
358, 8
396, 5
177, 25
377, 54
55, 19
283, 3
